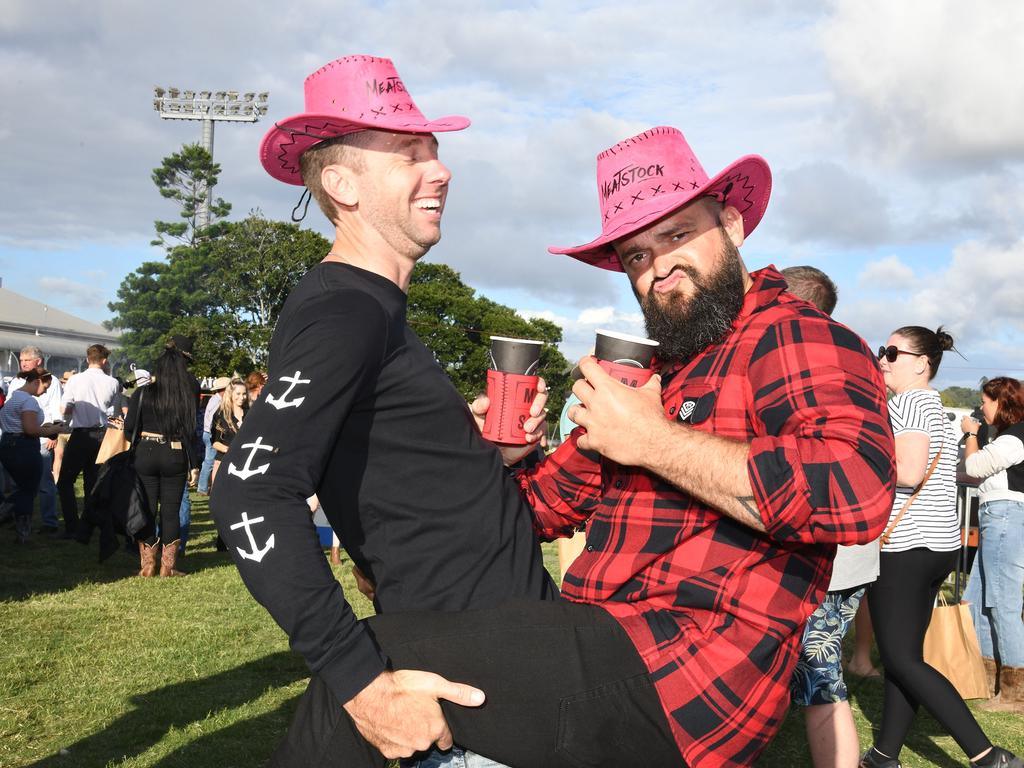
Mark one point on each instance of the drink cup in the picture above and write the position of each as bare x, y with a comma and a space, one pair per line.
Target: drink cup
511, 388
625, 357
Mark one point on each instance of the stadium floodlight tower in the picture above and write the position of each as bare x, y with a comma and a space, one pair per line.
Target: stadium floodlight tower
209, 106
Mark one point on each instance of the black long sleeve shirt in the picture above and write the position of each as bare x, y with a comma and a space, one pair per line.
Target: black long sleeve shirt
357, 410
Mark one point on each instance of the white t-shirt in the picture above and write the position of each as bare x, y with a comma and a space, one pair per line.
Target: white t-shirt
94, 395
49, 401
931, 521
991, 463
10, 414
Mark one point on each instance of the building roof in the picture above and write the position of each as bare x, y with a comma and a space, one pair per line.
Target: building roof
25, 321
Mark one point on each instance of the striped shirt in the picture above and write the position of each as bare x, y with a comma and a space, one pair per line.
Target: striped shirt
931, 521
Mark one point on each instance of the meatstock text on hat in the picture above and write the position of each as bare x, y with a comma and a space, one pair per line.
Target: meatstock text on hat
713, 496
356, 411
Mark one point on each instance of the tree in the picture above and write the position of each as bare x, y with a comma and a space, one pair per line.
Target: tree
254, 265
960, 397
456, 325
185, 178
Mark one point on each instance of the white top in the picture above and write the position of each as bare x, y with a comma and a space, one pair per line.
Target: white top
211, 410
991, 463
10, 414
94, 395
49, 401
854, 566
931, 521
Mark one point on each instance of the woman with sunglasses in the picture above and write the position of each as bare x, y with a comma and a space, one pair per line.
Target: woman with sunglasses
920, 547
997, 576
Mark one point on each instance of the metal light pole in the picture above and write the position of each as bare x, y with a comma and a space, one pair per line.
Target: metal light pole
208, 106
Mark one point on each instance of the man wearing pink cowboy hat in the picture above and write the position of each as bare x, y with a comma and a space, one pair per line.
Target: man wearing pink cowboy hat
714, 497
356, 410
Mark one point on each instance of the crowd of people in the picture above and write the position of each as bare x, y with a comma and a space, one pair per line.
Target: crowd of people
51, 433
738, 507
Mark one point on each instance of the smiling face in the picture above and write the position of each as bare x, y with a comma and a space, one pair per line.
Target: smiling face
238, 394
907, 371
401, 190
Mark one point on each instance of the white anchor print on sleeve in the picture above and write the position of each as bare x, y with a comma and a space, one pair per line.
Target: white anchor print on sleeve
247, 469
256, 553
283, 401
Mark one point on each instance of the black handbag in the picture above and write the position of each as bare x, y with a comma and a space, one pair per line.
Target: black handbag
119, 495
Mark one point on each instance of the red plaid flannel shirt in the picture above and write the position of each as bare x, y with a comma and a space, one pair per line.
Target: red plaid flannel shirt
715, 608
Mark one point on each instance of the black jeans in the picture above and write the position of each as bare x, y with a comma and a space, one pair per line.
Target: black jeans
79, 458
162, 469
564, 686
901, 609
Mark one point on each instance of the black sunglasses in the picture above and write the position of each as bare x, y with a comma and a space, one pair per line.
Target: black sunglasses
891, 352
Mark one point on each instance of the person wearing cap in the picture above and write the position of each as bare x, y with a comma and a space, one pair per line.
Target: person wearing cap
357, 411
89, 399
714, 496
212, 406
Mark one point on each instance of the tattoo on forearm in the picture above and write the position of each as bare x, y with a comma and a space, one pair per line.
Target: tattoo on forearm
750, 507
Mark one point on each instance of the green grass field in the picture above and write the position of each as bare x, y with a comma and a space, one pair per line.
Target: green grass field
100, 668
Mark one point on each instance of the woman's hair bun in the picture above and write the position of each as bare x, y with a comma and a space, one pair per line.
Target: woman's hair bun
944, 339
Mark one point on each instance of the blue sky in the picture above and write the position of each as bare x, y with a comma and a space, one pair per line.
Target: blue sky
895, 133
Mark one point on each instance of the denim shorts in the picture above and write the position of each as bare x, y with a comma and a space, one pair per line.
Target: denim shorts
818, 677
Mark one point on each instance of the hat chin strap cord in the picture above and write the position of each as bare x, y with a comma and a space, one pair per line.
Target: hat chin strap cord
307, 196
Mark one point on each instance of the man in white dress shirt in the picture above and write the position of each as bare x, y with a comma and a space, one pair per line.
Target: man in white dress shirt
89, 399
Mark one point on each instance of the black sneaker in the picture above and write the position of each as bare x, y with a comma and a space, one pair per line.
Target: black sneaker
875, 759
1003, 759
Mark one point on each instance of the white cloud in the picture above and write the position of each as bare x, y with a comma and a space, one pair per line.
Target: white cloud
579, 329
929, 83
67, 292
889, 274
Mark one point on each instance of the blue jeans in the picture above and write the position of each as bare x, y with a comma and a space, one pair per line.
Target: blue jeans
47, 490
20, 457
453, 758
207, 468
184, 518
997, 577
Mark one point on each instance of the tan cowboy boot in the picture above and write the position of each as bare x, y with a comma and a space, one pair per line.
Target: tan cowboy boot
168, 558
1011, 692
991, 675
147, 558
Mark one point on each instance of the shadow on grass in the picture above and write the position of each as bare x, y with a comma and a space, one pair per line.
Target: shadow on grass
868, 696
47, 565
246, 743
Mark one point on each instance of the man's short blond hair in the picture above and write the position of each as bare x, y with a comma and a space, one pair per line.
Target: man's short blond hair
342, 150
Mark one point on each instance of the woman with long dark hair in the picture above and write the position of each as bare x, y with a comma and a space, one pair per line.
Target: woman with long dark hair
920, 547
21, 421
997, 576
164, 413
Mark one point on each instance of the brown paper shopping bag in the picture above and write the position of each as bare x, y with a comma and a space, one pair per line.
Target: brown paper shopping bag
951, 647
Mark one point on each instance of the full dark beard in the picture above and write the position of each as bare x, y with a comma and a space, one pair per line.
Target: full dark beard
684, 327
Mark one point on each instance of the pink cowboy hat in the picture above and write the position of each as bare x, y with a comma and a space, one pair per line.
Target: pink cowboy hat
348, 95
648, 176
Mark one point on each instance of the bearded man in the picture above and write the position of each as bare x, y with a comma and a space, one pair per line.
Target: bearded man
714, 495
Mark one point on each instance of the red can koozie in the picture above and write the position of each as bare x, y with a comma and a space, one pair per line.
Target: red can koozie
629, 375
511, 395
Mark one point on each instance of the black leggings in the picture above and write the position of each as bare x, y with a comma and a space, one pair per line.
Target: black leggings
901, 608
565, 688
162, 469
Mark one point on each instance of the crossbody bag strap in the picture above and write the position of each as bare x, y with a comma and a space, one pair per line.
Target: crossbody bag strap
906, 505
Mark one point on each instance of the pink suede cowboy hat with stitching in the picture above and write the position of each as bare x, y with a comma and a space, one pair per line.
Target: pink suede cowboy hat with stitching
347, 95
655, 173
